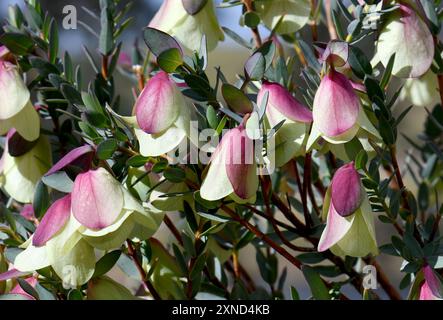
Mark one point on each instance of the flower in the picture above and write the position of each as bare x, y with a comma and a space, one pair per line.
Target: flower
16, 109
407, 36
99, 213
233, 169
350, 223
189, 27
22, 165
432, 288
295, 14
423, 91
282, 106
337, 113
163, 116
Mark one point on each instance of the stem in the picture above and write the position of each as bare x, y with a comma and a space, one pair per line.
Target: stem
384, 280
306, 183
401, 185
331, 28
146, 283
263, 237
105, 72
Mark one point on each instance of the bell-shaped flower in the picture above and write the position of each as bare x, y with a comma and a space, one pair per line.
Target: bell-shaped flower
407, 36
432, 288
233, 169
22, 165
421, 92
350, 223
337, 112
100, 214
163, 116
188, 21
282, 106
294, 14
16, 109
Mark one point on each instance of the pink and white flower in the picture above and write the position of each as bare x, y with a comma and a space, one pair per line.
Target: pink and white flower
337, 112
233, 169
99, 214
431, 288
282, 106
349, 219
163, 116
16, 109
187, 27
407, 36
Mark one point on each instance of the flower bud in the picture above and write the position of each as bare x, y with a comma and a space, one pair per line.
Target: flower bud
350, 223
188, 28
295, 14
233, 170
408, 37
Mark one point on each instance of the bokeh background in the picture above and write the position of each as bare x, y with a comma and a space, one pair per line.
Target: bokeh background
230, 57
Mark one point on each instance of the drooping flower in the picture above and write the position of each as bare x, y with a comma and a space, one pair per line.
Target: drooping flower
337, 113
163, 116
100, 214
431, 288
22, 165
295, 14
282, 106
407, 36
16, 109
233, 169
423, 91
188, 21
350, 223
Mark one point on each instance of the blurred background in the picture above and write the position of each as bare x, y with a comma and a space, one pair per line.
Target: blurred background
230, 57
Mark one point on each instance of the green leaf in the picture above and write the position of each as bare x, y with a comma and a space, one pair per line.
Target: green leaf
53, 41
361, 160
17, 43
311, 257
106, 149
170, 60
237, 38
413, 245
59, 181
106, 41
137, 161
159, 41
236, 99
359, 63
174, 174
75, 294
71, 94
255, 66
106, 263
294, 294
252, 19
388, 72
316, 284
211, 116
28, 288
41, 199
